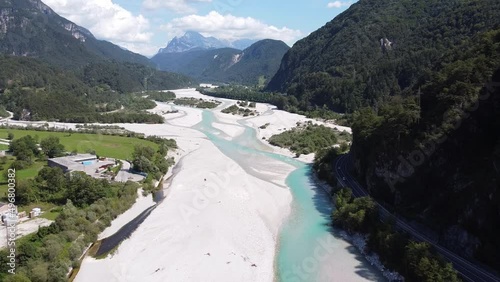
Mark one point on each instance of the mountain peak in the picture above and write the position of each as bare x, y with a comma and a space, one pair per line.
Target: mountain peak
193, 40
193, 35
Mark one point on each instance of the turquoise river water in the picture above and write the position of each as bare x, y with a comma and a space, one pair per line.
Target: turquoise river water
306, 238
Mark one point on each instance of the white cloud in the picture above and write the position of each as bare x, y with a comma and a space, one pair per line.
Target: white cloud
108, 21
178, 6
338, 4
230, 27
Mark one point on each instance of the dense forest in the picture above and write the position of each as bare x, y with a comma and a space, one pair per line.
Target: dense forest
34, 90
345, 66
434, 157
422, 79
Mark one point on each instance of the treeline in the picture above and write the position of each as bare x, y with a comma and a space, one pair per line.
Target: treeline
129, 77
235, 110
196, 103
116, 117
145, 159
283, 102
26, 149
243, 93
415, 261
82, 128
154, 164
161, 96
135, 103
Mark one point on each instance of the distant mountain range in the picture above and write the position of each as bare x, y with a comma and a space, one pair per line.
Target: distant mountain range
29, 28
192, 40
204, 62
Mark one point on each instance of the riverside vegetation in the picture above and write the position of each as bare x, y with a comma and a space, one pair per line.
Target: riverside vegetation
242, 108
282, 102
82, 206
414, 260
196, 103
310, 138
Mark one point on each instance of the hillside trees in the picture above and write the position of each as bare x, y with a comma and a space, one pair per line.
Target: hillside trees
344, 67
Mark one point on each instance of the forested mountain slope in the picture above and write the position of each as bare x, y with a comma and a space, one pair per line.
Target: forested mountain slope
51, 68
423, 80
31, 28
436, 157
344, 65
45, 92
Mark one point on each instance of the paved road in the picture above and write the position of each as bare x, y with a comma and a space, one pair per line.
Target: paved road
470, 271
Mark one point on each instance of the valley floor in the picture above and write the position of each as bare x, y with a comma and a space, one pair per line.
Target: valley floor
221, 218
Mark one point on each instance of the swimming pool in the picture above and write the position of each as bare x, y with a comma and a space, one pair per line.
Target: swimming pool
86, 163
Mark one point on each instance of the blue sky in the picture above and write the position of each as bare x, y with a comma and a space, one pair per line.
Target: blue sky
144, 26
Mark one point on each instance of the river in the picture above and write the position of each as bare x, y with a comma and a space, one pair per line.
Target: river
307, 242
309, 249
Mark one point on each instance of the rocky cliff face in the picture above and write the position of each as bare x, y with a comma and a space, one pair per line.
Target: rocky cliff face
77, 32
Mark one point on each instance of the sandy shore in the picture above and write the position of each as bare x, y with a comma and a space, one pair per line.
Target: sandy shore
221, 219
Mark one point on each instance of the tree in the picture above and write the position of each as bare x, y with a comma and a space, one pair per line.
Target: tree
51, 147
24, 148
10, 136
143, 159
423, 266
38, 270
356, 215
28, 251
84, 190
343, 197
17, 278
26, 192
51, 182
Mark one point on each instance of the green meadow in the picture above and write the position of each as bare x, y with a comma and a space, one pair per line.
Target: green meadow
104, 145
